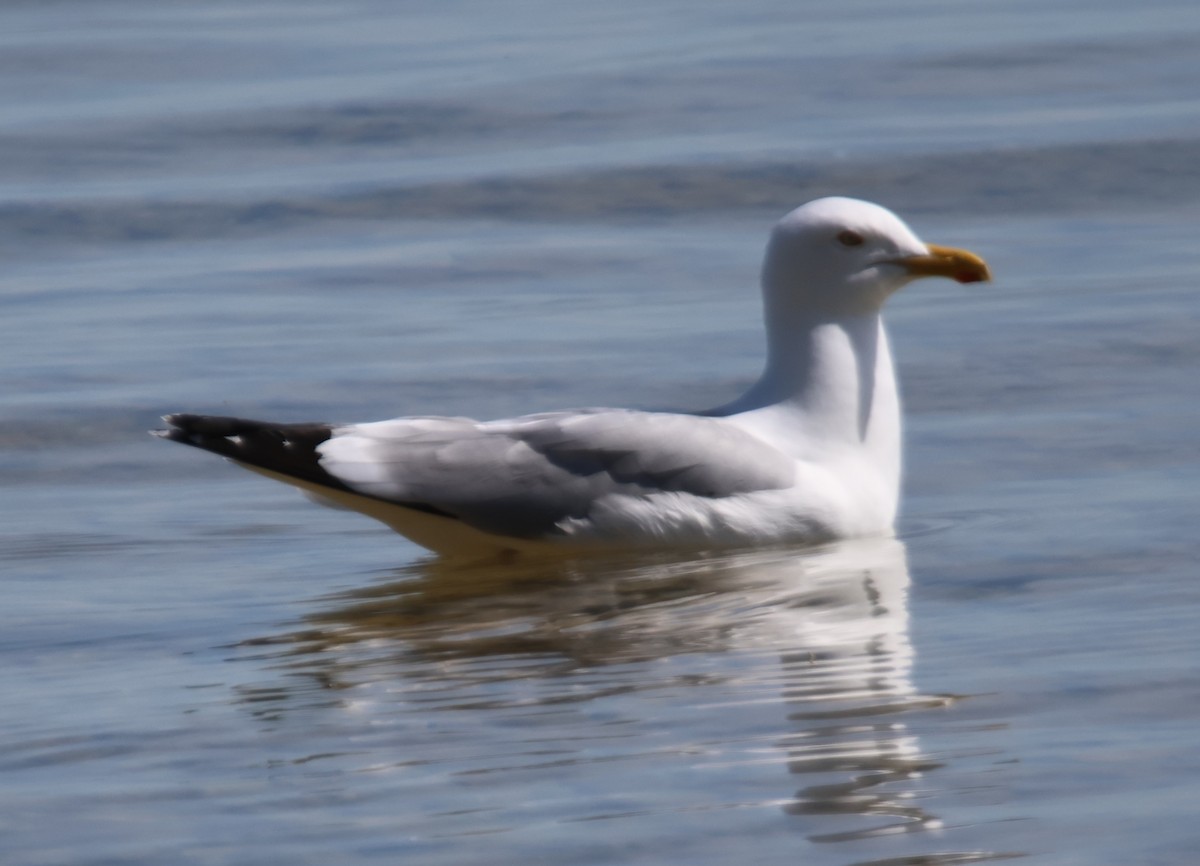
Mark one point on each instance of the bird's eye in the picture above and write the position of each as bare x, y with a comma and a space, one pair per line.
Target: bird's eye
848, 238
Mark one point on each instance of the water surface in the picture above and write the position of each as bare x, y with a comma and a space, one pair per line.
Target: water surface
354, 210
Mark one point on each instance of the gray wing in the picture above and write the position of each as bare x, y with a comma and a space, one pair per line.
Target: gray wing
522, 477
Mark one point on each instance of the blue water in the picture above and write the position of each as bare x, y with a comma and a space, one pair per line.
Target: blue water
355, 210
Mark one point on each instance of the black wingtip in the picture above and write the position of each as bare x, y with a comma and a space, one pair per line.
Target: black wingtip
289, 449
176, 431
285, 449
203, 431
223, 425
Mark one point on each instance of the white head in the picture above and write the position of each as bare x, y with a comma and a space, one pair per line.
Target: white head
841, 256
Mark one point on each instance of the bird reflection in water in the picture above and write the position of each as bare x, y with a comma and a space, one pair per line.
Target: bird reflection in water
846, 681
821, 634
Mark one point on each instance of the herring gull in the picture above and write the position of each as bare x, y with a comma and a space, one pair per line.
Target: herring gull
810, 453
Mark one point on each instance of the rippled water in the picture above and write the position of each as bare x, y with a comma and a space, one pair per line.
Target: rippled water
354, 210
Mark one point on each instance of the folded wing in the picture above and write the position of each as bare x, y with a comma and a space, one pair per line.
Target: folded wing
524, 477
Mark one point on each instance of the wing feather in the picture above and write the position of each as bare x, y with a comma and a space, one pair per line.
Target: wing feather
524, 476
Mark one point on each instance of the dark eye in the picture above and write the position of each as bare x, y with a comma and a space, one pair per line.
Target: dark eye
848, 238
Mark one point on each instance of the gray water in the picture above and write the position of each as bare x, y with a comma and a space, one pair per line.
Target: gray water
349, 211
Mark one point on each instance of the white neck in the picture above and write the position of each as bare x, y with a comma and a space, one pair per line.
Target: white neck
828, 386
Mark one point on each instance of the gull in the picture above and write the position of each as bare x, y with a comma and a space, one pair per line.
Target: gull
809, 454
